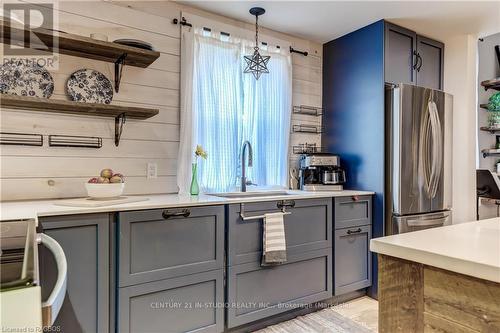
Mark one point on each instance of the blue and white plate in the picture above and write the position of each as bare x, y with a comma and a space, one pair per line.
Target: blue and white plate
89, 86
21, 79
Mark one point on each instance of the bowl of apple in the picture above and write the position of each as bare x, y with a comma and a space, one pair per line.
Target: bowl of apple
108, 185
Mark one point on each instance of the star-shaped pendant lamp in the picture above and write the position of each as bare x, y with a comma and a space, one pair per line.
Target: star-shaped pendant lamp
256, 63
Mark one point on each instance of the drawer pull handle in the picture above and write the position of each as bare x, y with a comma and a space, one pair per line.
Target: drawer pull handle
168, 214
285, 203
357, 231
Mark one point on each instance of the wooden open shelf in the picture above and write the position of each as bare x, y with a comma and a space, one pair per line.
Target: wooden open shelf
70, 107
490, 152
490, 129
76, 45
491, 84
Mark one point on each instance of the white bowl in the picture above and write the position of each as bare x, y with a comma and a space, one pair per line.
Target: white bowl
104, 191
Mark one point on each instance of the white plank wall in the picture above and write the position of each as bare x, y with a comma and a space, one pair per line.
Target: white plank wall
25, 171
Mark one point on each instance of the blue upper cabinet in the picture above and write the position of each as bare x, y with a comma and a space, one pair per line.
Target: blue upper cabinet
412, 59
400, 55
356, 68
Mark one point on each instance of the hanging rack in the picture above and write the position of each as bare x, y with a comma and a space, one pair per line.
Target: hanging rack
304, 53
281, 205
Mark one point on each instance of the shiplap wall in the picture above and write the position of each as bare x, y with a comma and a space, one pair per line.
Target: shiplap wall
26, 171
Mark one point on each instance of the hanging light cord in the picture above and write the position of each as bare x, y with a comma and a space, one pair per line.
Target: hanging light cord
256, 32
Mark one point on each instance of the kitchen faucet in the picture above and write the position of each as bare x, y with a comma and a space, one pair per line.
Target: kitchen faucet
244, 182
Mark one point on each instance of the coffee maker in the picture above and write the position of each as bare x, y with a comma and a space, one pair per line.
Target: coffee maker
321, 172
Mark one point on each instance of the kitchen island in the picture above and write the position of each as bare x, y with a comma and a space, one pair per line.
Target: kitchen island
444, 279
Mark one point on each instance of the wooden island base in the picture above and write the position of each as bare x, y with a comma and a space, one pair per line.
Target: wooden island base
417, 298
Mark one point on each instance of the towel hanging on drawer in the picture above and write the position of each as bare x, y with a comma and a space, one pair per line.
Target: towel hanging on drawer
273, 239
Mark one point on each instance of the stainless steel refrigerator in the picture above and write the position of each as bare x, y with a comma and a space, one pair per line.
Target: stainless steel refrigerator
419, 158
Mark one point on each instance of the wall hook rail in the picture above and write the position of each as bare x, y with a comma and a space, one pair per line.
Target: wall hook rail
119, 122
119, 63
304, 53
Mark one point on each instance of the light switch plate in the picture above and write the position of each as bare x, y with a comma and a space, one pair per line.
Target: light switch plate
152, 171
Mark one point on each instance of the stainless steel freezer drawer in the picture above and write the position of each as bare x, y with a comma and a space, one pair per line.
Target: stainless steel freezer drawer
402, 224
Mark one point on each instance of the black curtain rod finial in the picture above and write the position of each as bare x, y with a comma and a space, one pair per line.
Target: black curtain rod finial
183, 21
304, 53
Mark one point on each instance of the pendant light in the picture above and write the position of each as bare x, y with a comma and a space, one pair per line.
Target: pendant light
256, 64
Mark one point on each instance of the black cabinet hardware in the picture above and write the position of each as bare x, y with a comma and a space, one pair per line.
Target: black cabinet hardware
357, 231
419, 62
285, 203
168, 214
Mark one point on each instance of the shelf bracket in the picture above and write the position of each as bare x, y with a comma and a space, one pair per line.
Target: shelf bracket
119, 63
119, 122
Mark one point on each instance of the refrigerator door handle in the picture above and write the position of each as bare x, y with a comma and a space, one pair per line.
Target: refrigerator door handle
426, 222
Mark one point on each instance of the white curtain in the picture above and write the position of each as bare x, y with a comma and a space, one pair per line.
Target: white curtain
187, 119
221, 108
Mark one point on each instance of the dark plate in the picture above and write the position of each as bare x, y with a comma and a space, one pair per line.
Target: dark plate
135, 43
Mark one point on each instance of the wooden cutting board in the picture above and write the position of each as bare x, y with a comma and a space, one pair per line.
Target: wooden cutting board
89, 202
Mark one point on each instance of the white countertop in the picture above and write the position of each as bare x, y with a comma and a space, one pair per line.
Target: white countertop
469, 248
12, 210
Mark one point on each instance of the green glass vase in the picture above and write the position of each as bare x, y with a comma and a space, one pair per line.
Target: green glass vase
195, 188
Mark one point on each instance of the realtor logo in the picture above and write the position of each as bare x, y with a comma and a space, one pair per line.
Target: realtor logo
29, 34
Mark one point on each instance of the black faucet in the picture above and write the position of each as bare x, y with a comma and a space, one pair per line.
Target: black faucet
244, 182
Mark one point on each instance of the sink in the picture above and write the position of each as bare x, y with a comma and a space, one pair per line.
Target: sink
240, 195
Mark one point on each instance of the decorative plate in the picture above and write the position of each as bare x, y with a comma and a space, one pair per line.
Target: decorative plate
135, 43
18, 78
89, 86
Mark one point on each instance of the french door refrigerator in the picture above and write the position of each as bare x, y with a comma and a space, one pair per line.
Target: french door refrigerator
419, 158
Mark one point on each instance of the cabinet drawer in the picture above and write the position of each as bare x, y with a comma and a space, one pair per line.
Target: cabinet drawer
352, 259
184, 304
265, 291
307, 228
160, 244
353, 211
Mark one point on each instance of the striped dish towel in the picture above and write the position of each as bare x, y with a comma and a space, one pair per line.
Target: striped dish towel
273, 240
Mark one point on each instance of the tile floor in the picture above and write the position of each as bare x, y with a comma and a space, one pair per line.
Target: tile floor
356, 316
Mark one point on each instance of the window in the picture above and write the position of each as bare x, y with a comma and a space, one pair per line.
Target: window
230, 107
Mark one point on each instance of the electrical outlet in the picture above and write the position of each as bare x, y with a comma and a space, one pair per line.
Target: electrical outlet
152, 171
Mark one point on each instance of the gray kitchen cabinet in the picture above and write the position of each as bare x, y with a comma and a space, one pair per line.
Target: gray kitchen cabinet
85, 241
400, 54
165, 243
255, 292
192, 303
307, 228
353, 211
352, 259
412, 59
430, 70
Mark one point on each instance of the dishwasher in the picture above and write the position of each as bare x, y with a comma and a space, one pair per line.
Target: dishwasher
22, 308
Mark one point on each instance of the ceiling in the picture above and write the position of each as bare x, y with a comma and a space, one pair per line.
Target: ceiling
323, 21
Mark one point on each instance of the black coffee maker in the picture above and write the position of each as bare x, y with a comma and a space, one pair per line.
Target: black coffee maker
321, 172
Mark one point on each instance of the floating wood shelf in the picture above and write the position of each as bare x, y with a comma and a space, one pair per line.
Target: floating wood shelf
490, 152
75, 45
119, 113
491, 84
70, 107
490, 129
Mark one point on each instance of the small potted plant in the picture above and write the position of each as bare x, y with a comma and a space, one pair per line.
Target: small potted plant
199, 152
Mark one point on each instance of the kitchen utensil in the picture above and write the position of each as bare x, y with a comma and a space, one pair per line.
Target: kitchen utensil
89, 86
135, 43
19, 78
104, 191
